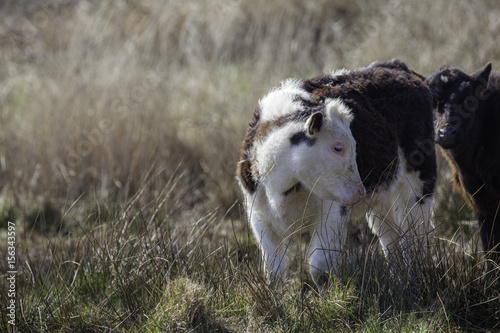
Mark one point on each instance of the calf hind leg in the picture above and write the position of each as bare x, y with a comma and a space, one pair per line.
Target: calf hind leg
401, 227
416, 227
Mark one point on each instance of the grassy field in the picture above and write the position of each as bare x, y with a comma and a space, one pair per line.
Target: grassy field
120, 124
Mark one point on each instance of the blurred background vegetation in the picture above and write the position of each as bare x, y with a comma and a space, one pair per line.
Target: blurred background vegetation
120, 124
102, 99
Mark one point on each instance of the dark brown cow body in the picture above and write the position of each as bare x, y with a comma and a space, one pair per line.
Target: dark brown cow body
392, 111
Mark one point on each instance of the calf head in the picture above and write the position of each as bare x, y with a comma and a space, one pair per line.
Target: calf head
457, 98
327, 164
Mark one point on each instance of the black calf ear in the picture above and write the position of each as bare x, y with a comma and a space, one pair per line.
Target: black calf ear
314, 124
482, 75
436, 83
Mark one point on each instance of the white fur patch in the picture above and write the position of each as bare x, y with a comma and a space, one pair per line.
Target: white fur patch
282, 100
444, 78
274, 150
338, 72
394, 214
336, 107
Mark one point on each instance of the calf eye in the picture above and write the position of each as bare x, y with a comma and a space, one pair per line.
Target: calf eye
338, 147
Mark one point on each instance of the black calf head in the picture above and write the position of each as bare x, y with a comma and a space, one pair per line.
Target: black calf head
457, 97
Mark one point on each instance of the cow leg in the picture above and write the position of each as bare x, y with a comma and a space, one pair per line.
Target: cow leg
401, 227
483, 231
328, 236
415, 227
386, 231
490, 236
271, 244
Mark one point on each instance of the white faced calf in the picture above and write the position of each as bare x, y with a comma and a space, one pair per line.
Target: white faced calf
298, 165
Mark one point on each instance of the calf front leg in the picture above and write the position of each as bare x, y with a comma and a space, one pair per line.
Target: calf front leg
490, 236
273, 249
326, 241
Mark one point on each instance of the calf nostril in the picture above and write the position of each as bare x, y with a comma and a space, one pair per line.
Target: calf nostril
446, 131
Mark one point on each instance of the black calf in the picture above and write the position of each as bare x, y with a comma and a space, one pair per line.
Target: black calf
467, 109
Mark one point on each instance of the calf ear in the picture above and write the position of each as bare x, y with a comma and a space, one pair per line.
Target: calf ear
436, 83
314, 124
482, 75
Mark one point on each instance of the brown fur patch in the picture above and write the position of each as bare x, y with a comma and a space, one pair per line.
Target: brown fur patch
244, 165
392, 108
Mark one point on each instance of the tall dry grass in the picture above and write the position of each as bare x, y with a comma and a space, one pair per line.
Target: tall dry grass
120, 124
99, 98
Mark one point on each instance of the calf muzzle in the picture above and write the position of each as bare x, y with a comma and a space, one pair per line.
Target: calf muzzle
447, 137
